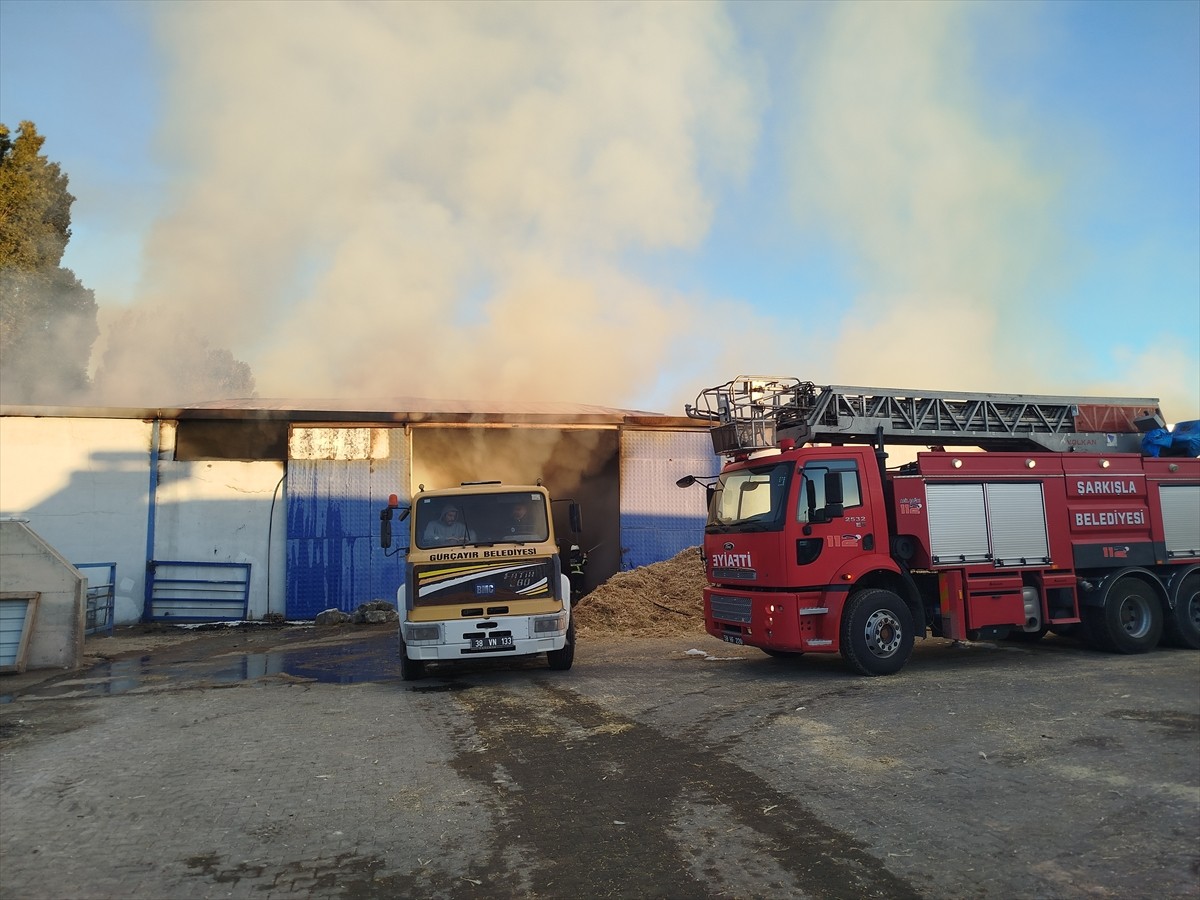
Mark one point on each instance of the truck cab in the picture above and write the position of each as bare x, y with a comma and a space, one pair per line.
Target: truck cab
789, 533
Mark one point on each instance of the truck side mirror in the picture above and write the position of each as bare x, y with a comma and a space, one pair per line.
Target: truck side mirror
385, 528
833, 495
385, 520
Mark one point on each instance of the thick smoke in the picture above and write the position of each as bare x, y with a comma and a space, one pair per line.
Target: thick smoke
457, 200
434, 199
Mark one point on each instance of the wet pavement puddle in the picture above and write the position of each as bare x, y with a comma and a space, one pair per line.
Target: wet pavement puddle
350, 663
356, 662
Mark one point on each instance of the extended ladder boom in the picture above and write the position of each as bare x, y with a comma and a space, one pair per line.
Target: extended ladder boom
756, 412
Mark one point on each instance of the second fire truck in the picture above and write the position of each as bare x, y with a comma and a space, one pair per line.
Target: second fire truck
1061, 525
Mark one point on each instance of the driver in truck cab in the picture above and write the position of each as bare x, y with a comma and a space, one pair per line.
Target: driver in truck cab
448, 528
519, 521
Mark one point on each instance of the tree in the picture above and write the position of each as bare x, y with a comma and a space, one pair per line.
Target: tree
47, 317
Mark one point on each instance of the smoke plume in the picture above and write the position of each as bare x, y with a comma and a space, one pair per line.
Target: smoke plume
434, 199
458, 200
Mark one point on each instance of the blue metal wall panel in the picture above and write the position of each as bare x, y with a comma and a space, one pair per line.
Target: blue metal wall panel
658, 519
334, 560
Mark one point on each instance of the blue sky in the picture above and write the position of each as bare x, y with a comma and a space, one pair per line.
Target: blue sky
386, 199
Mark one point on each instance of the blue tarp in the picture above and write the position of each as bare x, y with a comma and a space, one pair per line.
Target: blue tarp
1182, 440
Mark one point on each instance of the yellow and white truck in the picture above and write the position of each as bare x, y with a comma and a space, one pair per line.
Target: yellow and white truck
483, 576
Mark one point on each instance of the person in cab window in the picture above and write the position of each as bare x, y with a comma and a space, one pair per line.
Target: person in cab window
448, 528
519, 521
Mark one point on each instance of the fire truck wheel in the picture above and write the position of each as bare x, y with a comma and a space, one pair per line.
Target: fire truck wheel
561, 660
1132, 617
1182, 625
877, 632
410, 669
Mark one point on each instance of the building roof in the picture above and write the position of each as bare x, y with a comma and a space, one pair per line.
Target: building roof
387, 410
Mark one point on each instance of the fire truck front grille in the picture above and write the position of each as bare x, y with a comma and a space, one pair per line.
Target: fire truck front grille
730, 609
735, 574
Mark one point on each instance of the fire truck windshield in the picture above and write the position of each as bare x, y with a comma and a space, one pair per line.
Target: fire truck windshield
751, 499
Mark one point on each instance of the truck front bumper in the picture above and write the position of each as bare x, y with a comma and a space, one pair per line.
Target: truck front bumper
484, 638
793, 622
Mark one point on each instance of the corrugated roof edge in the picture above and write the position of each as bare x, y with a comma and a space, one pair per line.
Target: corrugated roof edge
400, 410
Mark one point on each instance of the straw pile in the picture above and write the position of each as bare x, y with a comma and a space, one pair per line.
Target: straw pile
664, 599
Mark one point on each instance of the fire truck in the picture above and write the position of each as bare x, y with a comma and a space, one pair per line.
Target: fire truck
483, 577
1026, 514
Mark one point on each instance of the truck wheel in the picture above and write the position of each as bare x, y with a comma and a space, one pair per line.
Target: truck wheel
1132, 617
561, 660
410, 669
877, 632
1182, 625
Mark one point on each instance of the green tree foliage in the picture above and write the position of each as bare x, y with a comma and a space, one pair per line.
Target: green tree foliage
47, 317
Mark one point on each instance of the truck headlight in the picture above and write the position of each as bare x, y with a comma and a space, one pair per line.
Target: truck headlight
415, 633
546, 624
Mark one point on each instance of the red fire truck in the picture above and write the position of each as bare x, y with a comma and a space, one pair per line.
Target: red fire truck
1046, 518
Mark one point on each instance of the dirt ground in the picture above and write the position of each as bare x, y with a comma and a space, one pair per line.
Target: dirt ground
292, 761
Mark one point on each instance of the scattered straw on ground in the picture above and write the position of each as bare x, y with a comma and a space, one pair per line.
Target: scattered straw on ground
664, 599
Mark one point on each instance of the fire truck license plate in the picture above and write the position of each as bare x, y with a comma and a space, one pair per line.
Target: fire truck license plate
491, 643
732, 639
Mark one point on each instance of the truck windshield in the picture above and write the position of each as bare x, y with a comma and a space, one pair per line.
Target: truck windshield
516, 517
751, 499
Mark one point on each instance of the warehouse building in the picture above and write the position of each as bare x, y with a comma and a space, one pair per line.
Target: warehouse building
271, 508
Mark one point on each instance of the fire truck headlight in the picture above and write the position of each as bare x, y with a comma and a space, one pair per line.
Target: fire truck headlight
548, 624
417, 633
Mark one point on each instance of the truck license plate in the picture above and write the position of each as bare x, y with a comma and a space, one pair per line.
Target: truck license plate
732, 639
491, 643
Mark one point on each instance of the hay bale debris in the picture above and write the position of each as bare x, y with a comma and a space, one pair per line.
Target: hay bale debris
664, 599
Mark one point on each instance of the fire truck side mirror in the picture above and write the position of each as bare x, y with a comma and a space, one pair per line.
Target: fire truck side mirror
833, 495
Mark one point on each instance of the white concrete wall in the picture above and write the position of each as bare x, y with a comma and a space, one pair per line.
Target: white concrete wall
220, 511
28, 563
83, 486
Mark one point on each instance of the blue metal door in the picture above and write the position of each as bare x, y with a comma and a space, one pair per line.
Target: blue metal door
334, 560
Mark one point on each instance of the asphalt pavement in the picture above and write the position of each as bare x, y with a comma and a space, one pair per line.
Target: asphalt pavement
300, 765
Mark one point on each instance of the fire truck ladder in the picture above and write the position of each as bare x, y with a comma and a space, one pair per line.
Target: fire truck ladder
756, 412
